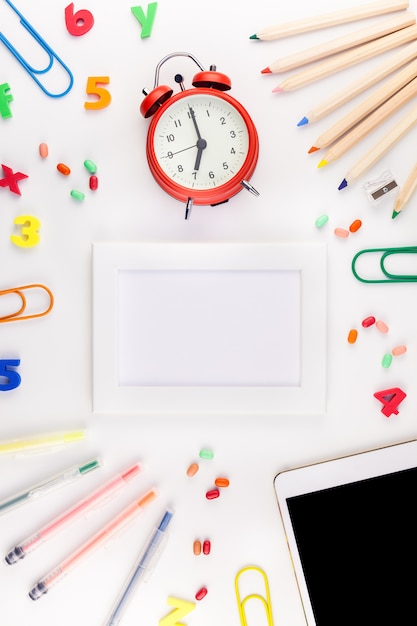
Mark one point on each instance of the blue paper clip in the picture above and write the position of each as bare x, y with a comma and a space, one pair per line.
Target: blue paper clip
384, 254
52, 56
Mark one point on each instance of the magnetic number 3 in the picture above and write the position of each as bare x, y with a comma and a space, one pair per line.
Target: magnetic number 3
30, 236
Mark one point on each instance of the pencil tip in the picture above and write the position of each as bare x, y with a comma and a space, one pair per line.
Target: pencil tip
254, 37
313, 149
343, 184
266, 70
277, 89
394, 214
303, 121
322, 163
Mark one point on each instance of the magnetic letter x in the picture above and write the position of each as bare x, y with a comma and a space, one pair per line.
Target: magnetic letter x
11, 179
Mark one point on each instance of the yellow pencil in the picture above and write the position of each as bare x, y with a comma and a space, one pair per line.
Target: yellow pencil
340, 44
406, 192
342, 16
375, 153
367, 125
347, 59
359, 85
367, 106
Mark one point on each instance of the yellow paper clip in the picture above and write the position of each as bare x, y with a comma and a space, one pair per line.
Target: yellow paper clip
17, 315
265, 600
384, 255
33, 73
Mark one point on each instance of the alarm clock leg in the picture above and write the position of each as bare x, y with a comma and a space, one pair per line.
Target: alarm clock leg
188, 208
249, 187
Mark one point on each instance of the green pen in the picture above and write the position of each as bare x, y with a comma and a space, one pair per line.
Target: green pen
66, 477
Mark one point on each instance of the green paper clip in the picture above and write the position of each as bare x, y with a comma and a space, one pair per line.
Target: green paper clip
385, 254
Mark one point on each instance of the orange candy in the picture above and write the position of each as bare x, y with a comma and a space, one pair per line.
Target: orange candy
353, 335
221, 482
64, 169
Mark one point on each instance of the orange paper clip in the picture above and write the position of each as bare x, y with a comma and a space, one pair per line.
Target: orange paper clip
19, 291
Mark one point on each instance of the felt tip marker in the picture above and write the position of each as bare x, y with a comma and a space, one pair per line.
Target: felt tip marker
142, 568
115, 526
93, 501
34, 492
41, 443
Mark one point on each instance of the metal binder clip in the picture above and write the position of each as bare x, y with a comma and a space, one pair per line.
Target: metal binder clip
385, 254
265, 600
17, 315
51, 54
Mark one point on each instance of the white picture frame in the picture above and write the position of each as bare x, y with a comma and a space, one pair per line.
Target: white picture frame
117, 301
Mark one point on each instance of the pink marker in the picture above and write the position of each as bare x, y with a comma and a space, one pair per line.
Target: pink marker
99, 539
99, 497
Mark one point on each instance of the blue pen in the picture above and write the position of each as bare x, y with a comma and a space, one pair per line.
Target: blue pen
146, 559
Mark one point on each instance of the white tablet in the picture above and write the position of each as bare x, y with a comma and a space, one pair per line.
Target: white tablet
351, 527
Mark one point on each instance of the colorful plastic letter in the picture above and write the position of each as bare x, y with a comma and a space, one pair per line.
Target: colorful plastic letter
78, 23
9, 378
11, 179
146, 21
104, 97
5, 98
30, 236
390, 399
182, 608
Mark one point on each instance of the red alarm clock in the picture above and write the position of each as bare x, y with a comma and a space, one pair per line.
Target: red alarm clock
202, 145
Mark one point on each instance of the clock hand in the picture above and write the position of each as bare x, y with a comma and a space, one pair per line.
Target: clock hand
171, 154
201, 143
197, 130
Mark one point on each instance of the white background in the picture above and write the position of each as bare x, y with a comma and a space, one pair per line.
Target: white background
55, 351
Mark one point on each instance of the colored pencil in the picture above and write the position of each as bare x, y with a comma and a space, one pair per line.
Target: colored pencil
347, 59
341, 16
367, 125
406, 192
381, 147
326, 49
367, 106
356, 87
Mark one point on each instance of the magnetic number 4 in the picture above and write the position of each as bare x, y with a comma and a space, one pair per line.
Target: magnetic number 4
390, 398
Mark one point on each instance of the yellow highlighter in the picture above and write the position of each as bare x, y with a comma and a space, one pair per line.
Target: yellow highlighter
47, 442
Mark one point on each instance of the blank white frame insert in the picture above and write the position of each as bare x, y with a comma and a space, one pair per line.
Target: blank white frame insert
209, 328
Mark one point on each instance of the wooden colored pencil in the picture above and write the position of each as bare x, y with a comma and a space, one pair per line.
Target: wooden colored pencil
367, 106
359, 85
381, 147
341, 16
406, 192
347, 59
367, 125
340, 44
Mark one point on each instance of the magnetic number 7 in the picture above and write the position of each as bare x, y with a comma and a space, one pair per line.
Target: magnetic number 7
103, 95
390, 399
9, 378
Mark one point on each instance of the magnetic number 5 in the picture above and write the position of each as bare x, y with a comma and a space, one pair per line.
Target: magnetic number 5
30, 236
104, 97
9, 378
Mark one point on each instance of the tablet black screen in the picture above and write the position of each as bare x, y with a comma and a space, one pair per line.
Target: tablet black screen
358, 548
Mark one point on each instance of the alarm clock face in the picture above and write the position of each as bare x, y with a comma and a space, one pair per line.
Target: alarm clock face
202, 144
